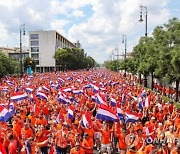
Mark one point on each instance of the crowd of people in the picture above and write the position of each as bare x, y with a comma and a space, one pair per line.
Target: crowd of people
85, 112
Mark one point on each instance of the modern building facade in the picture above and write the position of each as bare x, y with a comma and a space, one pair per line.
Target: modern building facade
43, 45
14, 53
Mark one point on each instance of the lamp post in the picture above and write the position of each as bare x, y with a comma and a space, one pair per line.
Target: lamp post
144, 8
22, 30
144, 12
124, 40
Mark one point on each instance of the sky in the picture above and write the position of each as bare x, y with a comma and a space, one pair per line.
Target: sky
98, 24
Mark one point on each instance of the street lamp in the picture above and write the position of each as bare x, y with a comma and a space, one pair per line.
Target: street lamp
143, 12
22, 31
124, 40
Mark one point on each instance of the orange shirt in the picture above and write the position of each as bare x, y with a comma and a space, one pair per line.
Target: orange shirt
90, 132
41, 121
17, 128
106, 136
88, 144
148, 148
42, 136
28, 133
176, 122
62, 141
140, 142
74, 151
33, 119
130, 152
121, 142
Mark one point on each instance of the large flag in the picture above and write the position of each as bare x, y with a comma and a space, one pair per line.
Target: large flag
86, 120
4, 114
101, 99
105, 113
19, 96
113, 101
41, 95
131, 117
120, 113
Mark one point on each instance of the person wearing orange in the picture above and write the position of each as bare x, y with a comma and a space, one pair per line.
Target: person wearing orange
90, 131
17, 127
149, 148
130, 145
141, 138
41, 136
77, 149
12, 148
88, 144
41, 120
75, 138
62, 139
106, 139
31, 118
27, 131
121, 140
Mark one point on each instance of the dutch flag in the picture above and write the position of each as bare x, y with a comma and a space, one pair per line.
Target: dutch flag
131, 117
63, 99
86, 120
101, 99
77, 91
120, 113
4, 114
105, 113
45, 88
95, 88
71, 112
19, 96
113, 102
41, 95
29, 89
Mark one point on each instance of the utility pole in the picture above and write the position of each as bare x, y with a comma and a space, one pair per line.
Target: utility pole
22, 29
124, 40
141, 20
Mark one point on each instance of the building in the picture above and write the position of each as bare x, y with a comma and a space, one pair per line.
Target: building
43, 45
14, 53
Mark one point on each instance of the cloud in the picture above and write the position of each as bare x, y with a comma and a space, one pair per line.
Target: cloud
58, 25
103, 31
77, 14
99, 33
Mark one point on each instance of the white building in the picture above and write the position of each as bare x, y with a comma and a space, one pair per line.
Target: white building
43, 45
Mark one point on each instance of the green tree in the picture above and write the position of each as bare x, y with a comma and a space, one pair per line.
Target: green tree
168, 38
73, 59
7, 65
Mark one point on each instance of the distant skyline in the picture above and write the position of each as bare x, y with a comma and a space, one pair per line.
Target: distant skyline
97, 24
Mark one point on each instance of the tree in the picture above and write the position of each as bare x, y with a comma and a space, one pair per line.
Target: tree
73, 59
7, 65
168, 40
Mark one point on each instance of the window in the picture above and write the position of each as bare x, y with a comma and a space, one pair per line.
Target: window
35, 56
34, 49
34, 36
34, 43
37, 62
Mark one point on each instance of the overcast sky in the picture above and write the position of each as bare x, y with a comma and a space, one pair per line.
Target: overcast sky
97, 24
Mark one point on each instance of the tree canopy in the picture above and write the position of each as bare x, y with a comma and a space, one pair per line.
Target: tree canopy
73, 59
158, 55
7, 65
